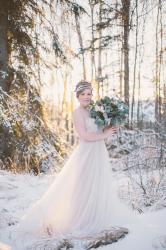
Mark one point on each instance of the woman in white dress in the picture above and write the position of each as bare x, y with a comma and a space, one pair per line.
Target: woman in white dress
82, 200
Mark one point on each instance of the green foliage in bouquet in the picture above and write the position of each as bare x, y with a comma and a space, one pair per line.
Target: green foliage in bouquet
109, 111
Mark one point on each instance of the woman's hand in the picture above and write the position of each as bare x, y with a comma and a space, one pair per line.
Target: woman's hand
107, 127
110, 130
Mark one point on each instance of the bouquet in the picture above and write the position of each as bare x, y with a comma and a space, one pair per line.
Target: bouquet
109, 111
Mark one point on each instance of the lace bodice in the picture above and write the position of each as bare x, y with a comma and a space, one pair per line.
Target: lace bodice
91, 126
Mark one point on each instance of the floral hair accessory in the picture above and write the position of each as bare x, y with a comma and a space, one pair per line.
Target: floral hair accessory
82, 85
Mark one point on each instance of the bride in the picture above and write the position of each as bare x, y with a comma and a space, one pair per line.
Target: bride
83, 199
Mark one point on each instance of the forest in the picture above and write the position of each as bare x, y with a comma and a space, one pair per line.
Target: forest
46, 48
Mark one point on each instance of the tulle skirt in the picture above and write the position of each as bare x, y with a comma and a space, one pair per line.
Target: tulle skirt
82, 200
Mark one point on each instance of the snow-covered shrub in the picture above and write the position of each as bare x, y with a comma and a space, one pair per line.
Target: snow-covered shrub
143, 169
27, 144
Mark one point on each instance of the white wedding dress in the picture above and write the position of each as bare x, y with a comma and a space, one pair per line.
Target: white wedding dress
83, 199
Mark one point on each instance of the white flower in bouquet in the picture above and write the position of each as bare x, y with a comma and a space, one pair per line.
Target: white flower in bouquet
109, 111
99, 108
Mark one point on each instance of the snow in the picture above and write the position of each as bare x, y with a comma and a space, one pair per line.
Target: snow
19, 191
144, 236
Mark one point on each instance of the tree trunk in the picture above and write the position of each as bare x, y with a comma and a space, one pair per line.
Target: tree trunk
99, 73
78, 28
126, 20
4, 56
157, 80
93, 63
139, 93
135, 63
121, 74
4, 62
160, 59
141, 56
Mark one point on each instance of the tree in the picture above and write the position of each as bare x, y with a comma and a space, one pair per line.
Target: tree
77, 12
4, 48
135, 62
20, 47
126, 30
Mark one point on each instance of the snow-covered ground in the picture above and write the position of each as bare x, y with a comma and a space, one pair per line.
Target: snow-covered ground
18, 192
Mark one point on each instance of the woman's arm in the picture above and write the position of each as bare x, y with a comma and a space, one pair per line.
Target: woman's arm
79, 124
